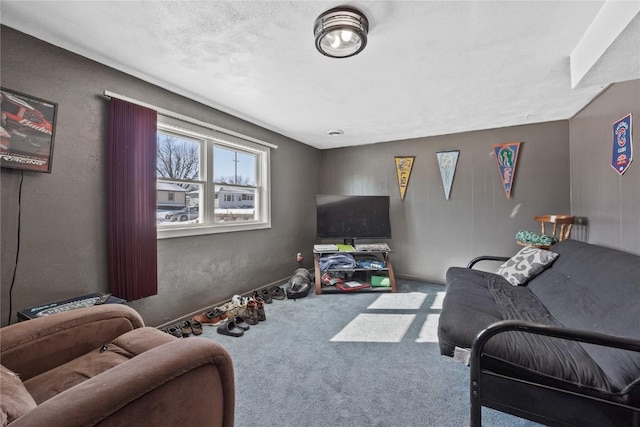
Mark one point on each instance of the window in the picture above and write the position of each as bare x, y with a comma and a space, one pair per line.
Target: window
209, 182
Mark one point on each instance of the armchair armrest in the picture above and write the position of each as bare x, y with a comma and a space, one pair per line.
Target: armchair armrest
182, 382
38, 345
487, 258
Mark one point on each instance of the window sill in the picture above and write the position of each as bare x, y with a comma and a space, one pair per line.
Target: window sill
198, 230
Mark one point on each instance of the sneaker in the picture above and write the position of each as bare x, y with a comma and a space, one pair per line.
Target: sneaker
266, 296
251, 312
277, 292
230, 308
260, 310
186, 328
240, 300
211, 318
196, 327
173, 330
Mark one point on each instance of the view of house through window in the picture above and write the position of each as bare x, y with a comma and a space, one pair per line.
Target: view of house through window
205, 181
235, 183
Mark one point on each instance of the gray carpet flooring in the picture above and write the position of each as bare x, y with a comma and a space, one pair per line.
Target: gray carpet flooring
365, 359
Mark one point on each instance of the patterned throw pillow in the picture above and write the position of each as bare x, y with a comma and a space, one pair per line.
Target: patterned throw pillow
526, 264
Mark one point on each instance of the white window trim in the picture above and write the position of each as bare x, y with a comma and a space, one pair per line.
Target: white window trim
162, 112
263, 197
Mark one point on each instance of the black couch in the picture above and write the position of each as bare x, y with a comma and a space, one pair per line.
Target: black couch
590, 298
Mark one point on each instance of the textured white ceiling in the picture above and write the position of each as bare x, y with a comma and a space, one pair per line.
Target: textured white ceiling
429, 68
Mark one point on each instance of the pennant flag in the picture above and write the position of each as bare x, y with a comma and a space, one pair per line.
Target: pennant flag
447, 161
507, 159
404, 165
622, 145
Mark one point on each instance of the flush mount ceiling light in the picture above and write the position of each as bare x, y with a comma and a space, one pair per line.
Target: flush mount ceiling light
341, 32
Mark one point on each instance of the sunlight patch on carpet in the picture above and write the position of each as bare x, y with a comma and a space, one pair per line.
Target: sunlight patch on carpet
376, 328
437, 302
404, 301
429, 330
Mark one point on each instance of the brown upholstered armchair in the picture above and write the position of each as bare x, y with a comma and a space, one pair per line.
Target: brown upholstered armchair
101, 366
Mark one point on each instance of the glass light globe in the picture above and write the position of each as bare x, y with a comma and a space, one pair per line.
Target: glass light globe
341, 32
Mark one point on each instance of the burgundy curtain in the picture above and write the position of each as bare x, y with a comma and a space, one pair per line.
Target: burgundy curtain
131, 182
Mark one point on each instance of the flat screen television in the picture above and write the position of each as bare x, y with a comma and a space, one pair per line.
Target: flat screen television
353, 217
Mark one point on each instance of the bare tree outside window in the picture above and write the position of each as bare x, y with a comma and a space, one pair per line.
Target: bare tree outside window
237, 180
178, 158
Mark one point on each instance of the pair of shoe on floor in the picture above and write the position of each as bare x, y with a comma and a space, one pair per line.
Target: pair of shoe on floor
184, 329
251, 314
268, 295
234, 328
212, 317
251, 309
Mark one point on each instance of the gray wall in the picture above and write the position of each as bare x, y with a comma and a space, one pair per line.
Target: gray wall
610, 203
430, 233
63, 226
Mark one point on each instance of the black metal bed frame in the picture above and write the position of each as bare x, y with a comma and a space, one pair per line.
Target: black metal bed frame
537, 402
542, 403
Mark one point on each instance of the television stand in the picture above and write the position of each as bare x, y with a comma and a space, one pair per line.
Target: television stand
377, 278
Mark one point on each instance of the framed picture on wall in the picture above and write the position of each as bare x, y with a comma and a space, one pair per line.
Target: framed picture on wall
26, 132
